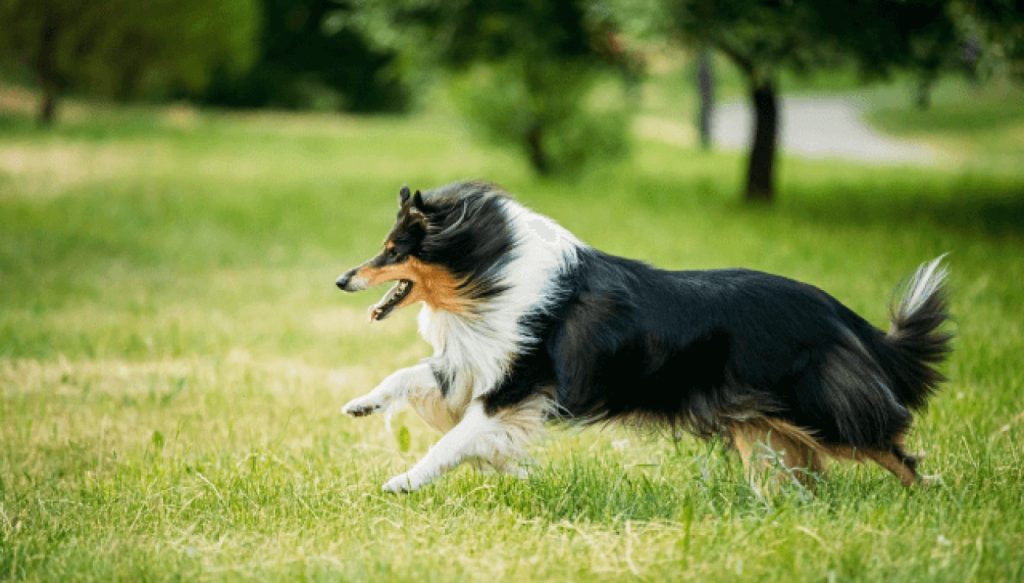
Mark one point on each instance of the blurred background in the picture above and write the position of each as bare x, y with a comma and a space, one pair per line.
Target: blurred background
562, 85
181, 181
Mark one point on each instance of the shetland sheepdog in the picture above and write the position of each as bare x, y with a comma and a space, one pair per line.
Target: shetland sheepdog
529, 324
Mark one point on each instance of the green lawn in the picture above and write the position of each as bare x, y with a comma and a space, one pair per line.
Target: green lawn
173, 355
980, 129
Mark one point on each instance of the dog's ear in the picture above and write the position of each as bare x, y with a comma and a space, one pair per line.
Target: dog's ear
403, 196
416, 211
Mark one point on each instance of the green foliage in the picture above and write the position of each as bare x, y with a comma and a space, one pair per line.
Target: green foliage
544, 108
404, 439
524, 73
764, 38
125, 48
311, 56
1000, 25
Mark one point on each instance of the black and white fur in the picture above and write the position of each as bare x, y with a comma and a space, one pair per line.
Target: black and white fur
553, 328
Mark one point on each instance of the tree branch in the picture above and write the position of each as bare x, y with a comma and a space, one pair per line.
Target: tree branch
745, 63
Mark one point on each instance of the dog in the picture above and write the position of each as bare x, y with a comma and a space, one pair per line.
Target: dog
529, 324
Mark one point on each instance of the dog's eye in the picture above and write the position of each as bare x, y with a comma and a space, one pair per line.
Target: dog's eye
392, 253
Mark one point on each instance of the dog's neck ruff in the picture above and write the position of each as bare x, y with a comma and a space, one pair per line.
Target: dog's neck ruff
473, 350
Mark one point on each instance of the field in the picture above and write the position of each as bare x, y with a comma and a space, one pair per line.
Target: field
173, 355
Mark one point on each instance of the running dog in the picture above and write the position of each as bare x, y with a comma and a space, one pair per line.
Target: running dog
529, 324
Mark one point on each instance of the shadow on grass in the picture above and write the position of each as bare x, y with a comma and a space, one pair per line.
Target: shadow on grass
883, 199
600, 490
609, 490
967, 208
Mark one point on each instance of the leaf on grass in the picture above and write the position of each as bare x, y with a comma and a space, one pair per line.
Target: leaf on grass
404, 439
157, 439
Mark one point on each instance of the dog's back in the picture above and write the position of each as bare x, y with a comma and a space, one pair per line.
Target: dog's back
744, 353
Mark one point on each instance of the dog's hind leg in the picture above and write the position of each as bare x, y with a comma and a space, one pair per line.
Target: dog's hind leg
774, 452
897, 461
404, 384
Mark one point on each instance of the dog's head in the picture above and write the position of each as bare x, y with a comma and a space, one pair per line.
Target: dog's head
438, 250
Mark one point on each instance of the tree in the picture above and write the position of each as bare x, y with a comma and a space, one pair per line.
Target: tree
762, 38
523, 73
310, 55
124, 48
1000, 23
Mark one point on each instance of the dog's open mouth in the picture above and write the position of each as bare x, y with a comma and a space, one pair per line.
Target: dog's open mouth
386, 305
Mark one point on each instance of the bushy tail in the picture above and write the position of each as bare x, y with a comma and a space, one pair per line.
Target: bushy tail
916, 335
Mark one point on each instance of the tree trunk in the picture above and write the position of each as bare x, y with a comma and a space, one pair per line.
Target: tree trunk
706, 93
47, 107
46, 72
761, 164
923, 97
535, 148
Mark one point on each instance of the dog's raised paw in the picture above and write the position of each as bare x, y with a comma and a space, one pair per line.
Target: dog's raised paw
361, 408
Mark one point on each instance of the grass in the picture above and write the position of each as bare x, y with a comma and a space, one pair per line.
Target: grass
173, 355
979, 128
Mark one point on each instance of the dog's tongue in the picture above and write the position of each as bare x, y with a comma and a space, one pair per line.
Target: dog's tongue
384, 307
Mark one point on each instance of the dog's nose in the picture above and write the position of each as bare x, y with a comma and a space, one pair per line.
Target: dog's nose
343, 281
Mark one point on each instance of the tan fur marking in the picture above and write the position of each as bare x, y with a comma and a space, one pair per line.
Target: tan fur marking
521, 422
796, 434
797, 450
526, 418
377, 275
432, 284
890, 462
900, 440
883, 458
434, 409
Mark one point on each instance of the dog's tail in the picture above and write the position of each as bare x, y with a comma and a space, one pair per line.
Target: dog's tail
919, 343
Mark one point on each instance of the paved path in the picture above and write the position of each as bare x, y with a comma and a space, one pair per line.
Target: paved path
820, 127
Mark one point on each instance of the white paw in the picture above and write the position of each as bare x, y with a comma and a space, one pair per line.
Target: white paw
362, 406
401, 484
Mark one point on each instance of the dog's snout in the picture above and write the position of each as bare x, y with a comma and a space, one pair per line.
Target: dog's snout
343, 280
351, 281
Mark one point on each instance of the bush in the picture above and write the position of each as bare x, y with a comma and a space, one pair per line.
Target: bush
554, 111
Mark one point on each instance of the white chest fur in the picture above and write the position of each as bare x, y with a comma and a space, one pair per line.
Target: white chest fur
474, 350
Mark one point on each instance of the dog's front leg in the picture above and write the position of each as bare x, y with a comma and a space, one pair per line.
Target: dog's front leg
477, 435
401, 385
